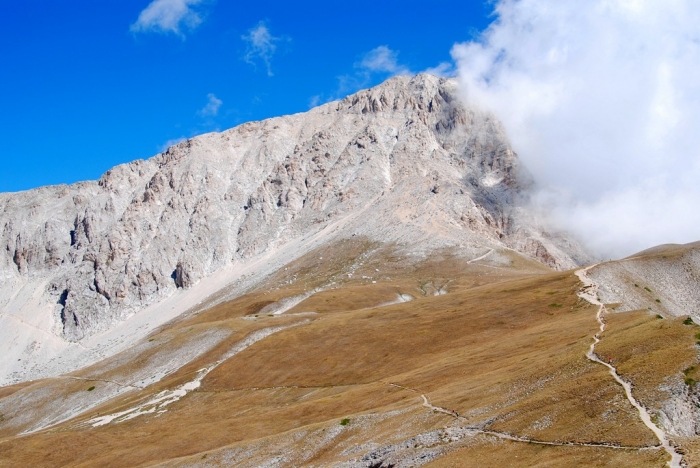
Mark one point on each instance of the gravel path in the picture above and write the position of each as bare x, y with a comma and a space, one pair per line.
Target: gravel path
589, 293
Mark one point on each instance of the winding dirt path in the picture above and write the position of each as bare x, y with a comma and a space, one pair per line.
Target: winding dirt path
514, 438
474, 430
589, 293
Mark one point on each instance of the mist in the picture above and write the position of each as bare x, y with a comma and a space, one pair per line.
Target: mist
601, 101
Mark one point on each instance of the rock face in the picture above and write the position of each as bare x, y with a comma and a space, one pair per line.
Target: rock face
404, 162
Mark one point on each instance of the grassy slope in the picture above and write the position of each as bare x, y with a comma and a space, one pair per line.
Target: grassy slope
505, 348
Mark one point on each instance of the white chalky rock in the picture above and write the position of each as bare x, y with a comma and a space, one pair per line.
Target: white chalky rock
403, 162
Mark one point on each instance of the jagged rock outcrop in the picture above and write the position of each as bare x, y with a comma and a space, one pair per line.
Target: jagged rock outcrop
407, 161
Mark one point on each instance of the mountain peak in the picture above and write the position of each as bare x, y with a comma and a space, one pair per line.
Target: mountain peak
405, 162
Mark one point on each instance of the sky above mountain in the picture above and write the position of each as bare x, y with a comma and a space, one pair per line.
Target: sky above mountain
601, 99
87, 85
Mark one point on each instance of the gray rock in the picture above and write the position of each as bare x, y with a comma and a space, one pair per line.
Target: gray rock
403, 162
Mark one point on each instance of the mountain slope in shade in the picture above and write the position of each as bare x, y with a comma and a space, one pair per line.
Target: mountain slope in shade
90, 268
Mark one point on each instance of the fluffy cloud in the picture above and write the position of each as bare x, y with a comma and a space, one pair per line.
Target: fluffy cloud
261, 45
212, 106
601, 100
168, 16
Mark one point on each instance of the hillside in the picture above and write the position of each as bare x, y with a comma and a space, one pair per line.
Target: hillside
360, 285
91, 268
439, 362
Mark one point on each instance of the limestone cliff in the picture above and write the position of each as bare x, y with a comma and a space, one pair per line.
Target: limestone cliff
403, 162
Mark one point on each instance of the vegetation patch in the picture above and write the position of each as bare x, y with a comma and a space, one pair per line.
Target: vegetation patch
555, 304
91, 388
647, 289
688, 321
345, 421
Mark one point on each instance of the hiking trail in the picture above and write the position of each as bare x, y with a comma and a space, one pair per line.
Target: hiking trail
589, 293
474, 430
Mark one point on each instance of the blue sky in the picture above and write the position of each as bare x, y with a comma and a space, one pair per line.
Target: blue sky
90, 84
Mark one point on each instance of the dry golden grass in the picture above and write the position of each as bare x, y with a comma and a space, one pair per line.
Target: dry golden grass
646, 349
506, 454
651, 352
505, 348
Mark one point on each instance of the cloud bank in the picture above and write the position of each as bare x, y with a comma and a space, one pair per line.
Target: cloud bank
601, 100
168, 16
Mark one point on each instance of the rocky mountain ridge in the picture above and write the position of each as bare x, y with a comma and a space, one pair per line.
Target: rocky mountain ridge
404, 162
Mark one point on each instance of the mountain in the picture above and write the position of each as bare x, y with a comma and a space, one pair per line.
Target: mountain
361, 285
357, 354
99, 264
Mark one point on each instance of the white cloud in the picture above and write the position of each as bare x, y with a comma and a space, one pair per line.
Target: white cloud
382, 60
212, 107
261, 45
168, 16
601, 100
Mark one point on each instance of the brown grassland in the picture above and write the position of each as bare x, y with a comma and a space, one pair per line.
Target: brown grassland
504, 348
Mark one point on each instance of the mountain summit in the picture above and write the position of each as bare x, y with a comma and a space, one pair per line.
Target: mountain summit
361, 285
405, 163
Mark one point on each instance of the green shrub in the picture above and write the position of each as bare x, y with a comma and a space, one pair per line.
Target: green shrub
554, 304
345, 421
689, 382
659, 301
659, 316
688, 321
645, 287
91, 388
